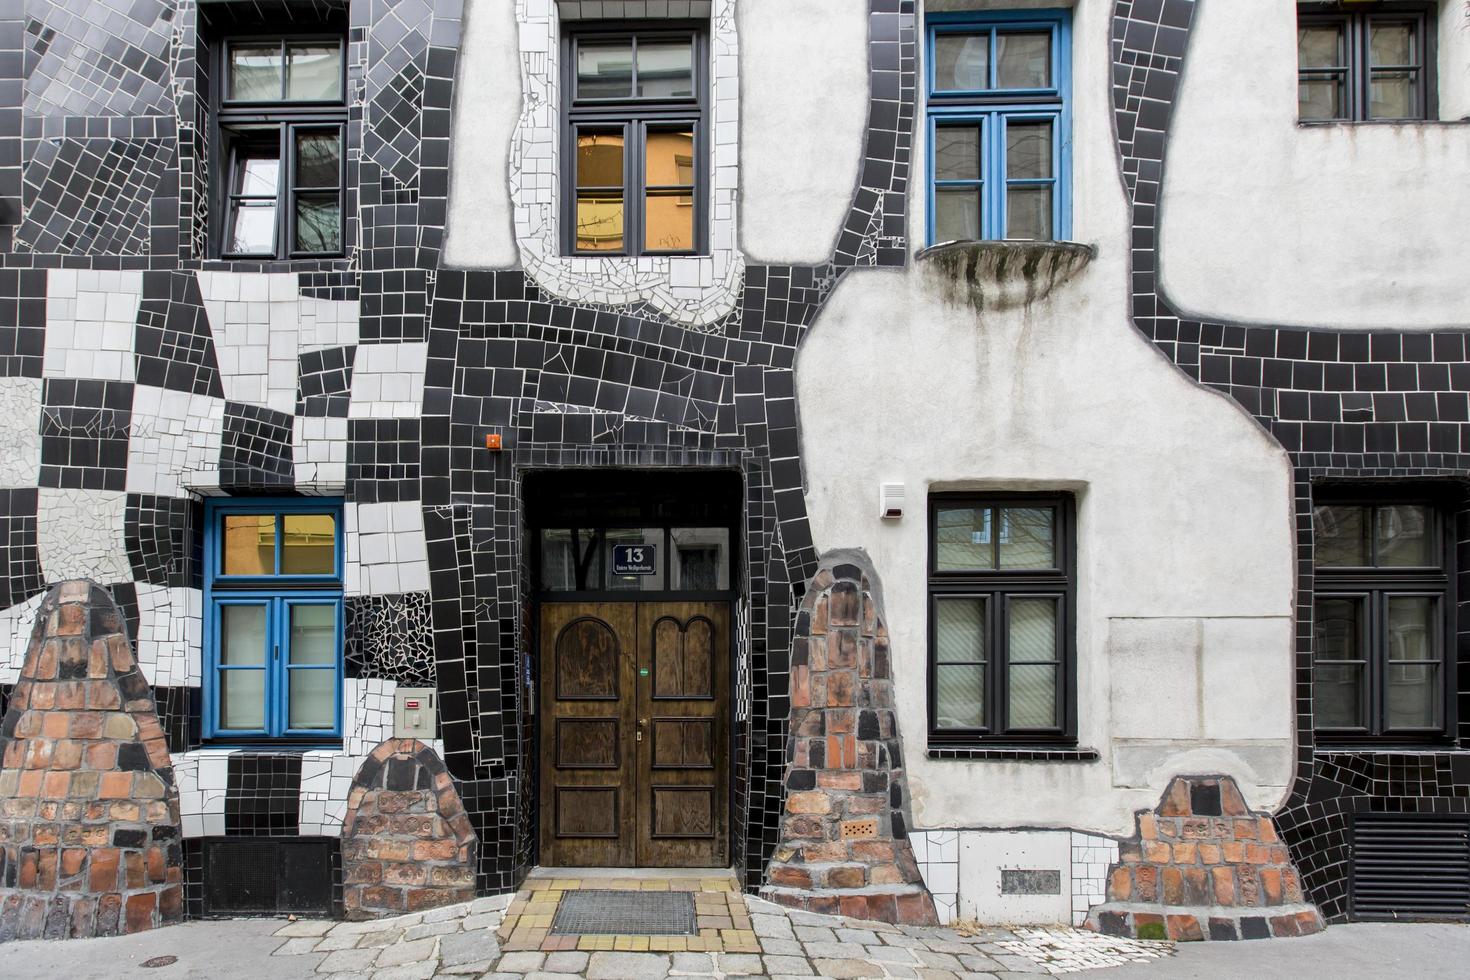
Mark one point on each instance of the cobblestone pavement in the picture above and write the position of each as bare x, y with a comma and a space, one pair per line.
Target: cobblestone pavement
467, 941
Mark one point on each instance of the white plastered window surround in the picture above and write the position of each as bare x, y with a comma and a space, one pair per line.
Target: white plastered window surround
696, 290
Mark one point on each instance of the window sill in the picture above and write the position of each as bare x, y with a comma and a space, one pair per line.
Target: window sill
1011, 753
1380, 748
1348, 123
1003, 275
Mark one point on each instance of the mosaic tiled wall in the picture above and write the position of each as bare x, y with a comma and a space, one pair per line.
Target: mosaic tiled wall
1354, 405
137, 375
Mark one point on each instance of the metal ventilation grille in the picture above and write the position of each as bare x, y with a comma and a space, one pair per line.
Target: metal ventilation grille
1411, 866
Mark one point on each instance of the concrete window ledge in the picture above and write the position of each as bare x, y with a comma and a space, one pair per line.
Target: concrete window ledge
999, 275
1004, 753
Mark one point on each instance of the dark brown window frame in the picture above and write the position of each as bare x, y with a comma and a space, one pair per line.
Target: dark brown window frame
635, 116
996, 587
1356, 20
238, 123
1372, 585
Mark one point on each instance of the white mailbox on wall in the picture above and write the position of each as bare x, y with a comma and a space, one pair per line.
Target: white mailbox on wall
415, 713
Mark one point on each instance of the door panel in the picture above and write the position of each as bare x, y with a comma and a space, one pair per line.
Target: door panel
634, 734
588, 775
683, 716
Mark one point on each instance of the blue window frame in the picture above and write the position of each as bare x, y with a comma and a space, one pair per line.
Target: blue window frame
999, 119
273, 620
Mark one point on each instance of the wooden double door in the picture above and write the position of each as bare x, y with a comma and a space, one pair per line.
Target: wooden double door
635, 712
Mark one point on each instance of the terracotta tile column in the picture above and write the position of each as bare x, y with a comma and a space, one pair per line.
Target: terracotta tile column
1204, 867
406, 842
844, 832
89, 814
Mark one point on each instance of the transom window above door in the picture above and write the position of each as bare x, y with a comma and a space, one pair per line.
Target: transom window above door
636, 118
1382, 618
634, 559
999, 126
273, 621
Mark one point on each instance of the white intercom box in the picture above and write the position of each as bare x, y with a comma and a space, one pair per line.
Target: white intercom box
415, 712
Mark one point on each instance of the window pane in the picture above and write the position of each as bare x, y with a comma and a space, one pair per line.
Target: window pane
959, 696
962, 539
1033, 696
315, 72
1341, 532
1028, 150
313, 699
1033, 631
241, 699
313, 634
1412, 629
257, 171
1023, 60
242, 635
1403, 533
666, 69
956, 214
599, 159
253, 229
1320, 98
701, 558
318, 223
1392, 95
255, 72
668, 159
962, 61
1337, 695
1028, 537
959, 630
308, 544
668, 223
249, 544
957, 152
599, 221
651, 541
318, 159
1337, 629
1391, 44
1413, 695
570, 559
1028, 213
605, 70
1320, 46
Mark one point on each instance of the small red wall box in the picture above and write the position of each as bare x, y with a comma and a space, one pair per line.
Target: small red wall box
492, 441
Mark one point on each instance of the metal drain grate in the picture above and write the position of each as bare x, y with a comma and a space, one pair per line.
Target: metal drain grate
597, 912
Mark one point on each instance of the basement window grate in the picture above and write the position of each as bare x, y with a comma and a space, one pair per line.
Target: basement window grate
1411, 866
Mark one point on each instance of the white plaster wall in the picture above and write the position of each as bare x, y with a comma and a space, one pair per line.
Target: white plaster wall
1185, 556
1454, 59
1352, 226
696, 290
487, 104
799, 155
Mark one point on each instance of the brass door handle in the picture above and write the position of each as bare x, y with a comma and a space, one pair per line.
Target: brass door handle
642, 724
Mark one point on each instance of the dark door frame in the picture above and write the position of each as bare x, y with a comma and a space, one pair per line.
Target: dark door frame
732, 596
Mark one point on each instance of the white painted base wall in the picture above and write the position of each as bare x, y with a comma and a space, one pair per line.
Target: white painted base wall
962, 869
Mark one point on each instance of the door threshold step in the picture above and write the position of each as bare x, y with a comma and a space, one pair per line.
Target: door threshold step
649, 873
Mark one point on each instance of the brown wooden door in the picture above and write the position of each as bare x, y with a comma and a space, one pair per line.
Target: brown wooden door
588, 768
683, 716
634, 734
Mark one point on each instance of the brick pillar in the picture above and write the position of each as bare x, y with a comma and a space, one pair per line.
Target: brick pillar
406, 843
89, 814
1204, 867
844, 833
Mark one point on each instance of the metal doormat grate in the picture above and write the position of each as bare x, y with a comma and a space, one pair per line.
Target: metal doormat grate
598, 912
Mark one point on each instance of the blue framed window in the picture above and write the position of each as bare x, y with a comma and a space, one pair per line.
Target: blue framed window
273, 620
999, 124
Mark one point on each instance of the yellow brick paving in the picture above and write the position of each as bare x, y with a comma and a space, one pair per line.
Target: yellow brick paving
721, 918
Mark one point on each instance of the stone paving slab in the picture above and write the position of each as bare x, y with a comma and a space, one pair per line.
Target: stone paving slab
491, 939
